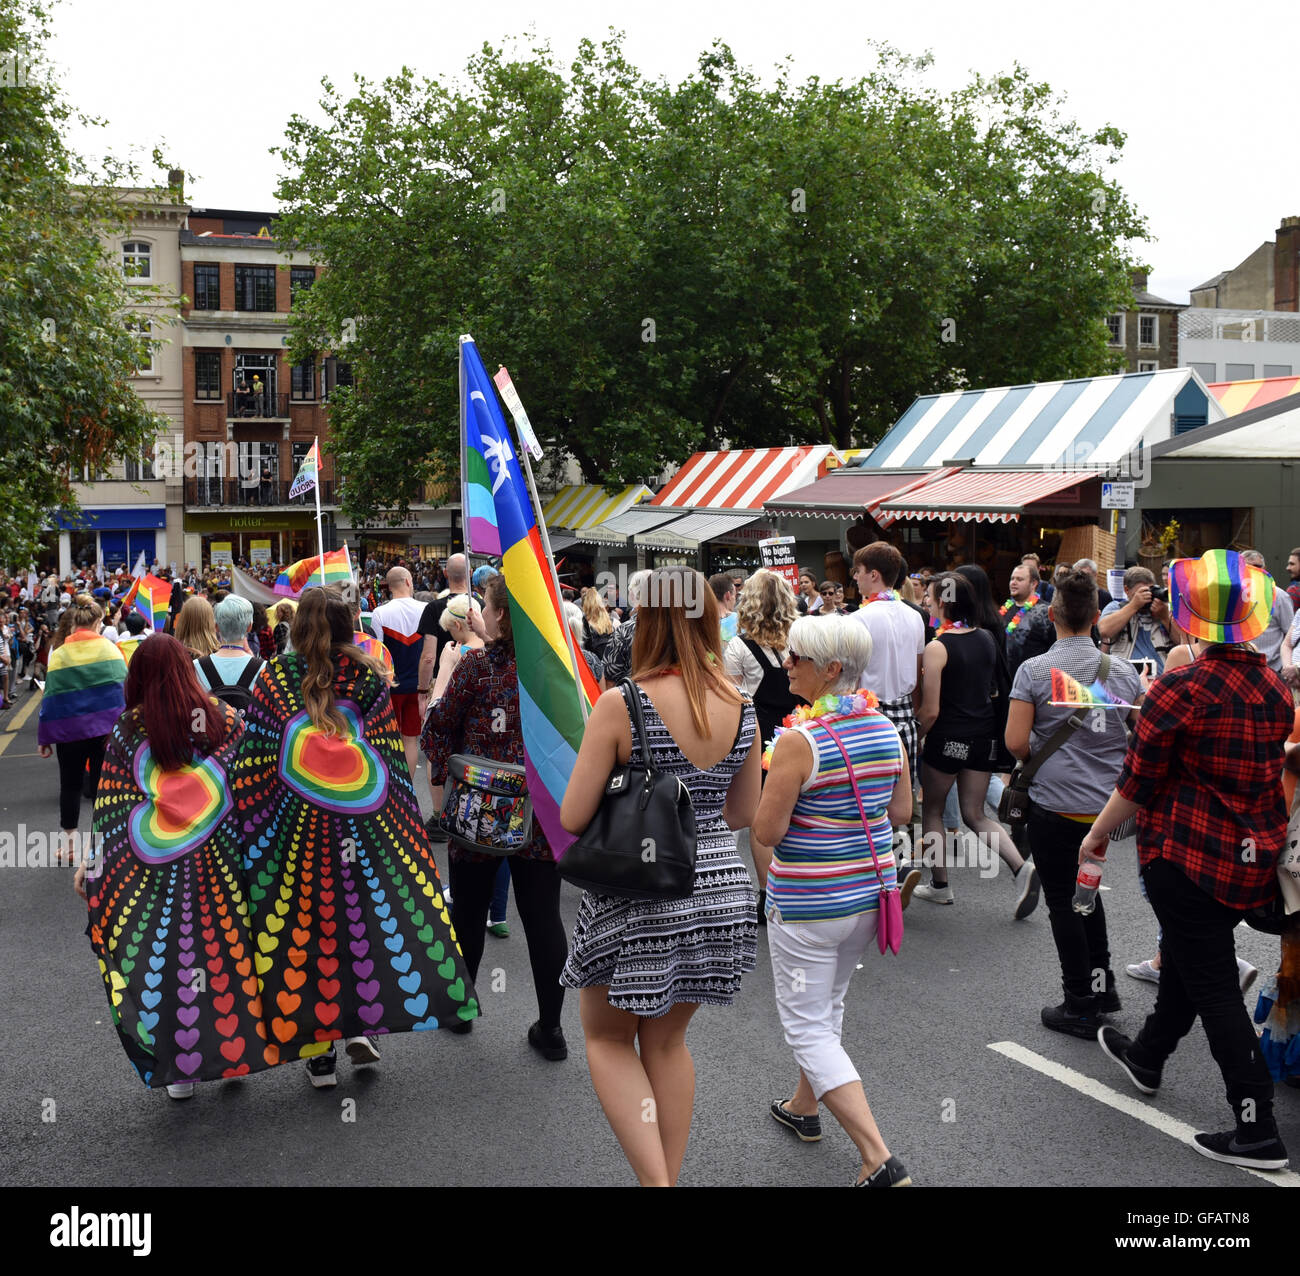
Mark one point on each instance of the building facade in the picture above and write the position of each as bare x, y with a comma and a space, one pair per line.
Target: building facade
1148, 334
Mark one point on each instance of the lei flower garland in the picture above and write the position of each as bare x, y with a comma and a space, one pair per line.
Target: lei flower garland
1020, 608
885, 596
948, 626
831, 707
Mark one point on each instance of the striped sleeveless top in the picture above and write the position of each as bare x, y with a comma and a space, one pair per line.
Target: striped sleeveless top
823, 869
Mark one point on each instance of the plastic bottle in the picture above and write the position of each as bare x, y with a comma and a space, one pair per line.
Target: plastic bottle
1086, 886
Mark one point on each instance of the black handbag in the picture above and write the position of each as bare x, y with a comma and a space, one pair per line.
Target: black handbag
640, 844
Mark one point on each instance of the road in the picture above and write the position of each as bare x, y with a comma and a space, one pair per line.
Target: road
968, 1087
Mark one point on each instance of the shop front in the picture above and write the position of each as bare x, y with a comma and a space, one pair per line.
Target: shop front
214, 540
420, 534
112, 535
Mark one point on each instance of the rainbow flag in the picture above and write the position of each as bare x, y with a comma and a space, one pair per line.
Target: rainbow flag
83, 690
499, 519
1070, 692
305, 479
152, 596
308, 572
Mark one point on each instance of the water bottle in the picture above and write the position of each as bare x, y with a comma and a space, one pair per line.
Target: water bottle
1086, 886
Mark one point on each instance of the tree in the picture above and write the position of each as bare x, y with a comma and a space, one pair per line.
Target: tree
709, 263
65, 349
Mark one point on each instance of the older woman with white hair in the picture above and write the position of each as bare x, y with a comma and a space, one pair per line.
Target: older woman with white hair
829, 867
230, 670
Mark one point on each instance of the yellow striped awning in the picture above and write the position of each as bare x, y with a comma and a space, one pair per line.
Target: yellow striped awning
590, 505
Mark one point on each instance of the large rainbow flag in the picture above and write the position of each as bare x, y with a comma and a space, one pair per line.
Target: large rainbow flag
1070, 692
499, 520
151, 596
308, 572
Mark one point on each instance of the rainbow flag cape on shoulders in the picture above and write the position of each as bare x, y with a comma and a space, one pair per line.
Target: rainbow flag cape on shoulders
1071, 693
83, 689
499, 520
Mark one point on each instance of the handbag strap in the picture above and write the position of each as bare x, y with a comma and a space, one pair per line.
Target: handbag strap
853, 784
632, 697
1064, 731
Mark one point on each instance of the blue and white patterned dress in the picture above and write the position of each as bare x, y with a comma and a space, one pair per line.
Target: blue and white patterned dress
655, 953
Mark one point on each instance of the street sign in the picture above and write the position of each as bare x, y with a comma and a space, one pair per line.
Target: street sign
1117, 496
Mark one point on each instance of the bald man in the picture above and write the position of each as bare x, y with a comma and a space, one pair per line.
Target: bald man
397, 623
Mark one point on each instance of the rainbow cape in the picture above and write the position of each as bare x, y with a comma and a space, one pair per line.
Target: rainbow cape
151, 596
83, 689
499, 520
1070, 692
308, 572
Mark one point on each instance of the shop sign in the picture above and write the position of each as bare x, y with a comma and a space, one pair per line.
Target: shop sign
222, 554
260, 551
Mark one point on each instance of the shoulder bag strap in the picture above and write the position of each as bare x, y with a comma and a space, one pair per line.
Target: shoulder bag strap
853, 784
1064, 731
632, 695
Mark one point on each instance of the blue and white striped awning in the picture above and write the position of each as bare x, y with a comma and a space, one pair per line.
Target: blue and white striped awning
1095, 421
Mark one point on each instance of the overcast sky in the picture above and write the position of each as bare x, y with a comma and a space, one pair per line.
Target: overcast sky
1203, 91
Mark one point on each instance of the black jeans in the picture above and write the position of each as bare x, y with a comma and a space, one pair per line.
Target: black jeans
73, 756
1198, 976
537, 896
1081, 942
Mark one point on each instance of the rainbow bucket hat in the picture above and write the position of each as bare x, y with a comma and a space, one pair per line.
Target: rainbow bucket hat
1220, 598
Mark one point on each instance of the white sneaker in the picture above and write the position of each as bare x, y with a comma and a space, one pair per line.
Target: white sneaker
183, 1091
361, 1050
1246, 973
935, 894
1145, 971
1027, 889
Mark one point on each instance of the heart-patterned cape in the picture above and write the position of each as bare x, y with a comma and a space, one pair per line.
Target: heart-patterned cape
351, 932
168, 913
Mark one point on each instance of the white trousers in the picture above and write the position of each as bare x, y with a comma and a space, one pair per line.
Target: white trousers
812, 963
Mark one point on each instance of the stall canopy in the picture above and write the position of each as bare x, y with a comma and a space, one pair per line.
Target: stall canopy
844, 494
1272, 430
981, 496
1244, 396
745, 477
694, 530
1094, 421
577, 508
640, 518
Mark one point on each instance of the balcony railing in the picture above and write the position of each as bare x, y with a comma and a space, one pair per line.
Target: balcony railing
263, 406
240, 493
1197, 324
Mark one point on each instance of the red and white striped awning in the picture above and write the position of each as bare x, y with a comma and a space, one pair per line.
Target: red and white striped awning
980, 496
744, 478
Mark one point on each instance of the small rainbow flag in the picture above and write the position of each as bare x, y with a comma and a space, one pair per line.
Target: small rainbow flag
151, 596
1071, 693
305, 479
308, 572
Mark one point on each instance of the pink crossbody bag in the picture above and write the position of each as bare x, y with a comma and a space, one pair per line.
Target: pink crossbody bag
889, 924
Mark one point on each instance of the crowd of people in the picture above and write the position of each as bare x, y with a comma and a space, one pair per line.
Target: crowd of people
821, 725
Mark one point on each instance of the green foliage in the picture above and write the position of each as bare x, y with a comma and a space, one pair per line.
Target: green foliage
65, 352
806, 257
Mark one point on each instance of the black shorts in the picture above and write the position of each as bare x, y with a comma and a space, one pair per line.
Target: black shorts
951, 754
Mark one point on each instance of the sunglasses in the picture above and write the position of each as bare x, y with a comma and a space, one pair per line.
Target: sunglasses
795, 657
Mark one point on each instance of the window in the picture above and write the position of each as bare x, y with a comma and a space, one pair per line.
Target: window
137, 260
254, 287
335, 373
1238, 371
1277, 369
207, 374
207, 286
303, 380
139, 467
1116, 325
1148, 330
301, 279
1208, 372
1148, 365
139, 328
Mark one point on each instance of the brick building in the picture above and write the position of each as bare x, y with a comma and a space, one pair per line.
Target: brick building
1147, 334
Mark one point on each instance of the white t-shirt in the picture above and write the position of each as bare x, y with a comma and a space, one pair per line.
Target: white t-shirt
743, 668
897, 642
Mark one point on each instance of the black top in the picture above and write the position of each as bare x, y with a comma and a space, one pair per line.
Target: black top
773, 699
965, 707
429, 624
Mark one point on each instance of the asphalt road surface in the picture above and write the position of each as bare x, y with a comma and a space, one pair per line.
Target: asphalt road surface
968, 1087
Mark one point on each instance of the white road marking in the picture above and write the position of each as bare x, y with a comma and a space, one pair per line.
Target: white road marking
1130, 1106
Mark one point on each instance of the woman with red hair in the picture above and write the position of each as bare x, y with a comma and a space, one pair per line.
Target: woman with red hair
168, 917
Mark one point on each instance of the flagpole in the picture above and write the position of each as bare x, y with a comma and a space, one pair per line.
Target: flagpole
320, 535
550, 563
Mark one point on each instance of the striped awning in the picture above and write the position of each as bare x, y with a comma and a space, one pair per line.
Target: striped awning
576, 508
980, 496
695, 529
1097, 421
844, 494
1242, 396
640, 518
744, 478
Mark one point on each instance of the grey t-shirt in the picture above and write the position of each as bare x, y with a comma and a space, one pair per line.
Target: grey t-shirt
1078, 778
1269, 643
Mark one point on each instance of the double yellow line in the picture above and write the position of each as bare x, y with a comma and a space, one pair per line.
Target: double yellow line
19, 719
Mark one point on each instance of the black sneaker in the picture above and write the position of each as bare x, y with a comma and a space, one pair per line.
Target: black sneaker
808, 1128
548, 1042
435, 834
1116, 1045
1108, 1002
1230, 1148
1075, 1022
892, 1174
320, 1069
461, 1027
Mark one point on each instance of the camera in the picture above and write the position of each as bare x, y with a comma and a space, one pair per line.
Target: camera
1156, 592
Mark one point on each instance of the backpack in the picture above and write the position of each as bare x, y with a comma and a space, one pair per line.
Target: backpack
238, 695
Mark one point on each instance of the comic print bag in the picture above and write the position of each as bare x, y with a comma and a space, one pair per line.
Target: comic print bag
485, 805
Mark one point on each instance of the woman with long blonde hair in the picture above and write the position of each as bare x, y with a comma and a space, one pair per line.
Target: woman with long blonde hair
342, 883
196, 628
597, 628
645, 966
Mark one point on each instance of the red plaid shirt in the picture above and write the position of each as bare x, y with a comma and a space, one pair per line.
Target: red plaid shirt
1206, 771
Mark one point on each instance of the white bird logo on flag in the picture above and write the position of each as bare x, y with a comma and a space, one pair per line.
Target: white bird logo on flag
499, 456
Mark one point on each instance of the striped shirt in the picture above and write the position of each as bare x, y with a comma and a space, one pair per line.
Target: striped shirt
823, 868
83, 689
